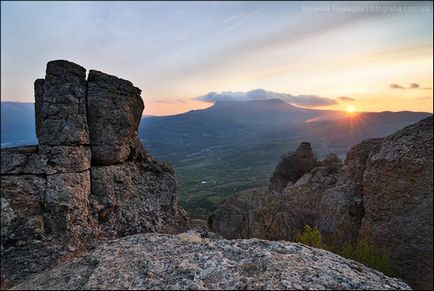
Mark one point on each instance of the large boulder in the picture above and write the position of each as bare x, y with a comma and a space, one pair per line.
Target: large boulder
292, 167
398, 201
187, 261
60, 105
66, 204
136, 196
115, 109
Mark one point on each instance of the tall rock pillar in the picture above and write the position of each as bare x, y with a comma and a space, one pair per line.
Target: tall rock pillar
62, 131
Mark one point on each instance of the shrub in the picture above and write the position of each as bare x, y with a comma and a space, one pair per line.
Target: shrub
310, 236
368, 255
363, 252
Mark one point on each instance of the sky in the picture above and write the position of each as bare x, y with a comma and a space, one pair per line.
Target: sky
370, 56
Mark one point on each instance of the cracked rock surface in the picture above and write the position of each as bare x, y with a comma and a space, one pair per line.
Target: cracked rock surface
187, 261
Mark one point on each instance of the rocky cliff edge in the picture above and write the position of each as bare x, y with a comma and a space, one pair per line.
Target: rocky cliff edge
89, 178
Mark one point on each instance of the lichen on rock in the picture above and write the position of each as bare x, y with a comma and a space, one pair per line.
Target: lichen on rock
187, 261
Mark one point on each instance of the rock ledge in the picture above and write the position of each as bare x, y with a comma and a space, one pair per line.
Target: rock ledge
170, 262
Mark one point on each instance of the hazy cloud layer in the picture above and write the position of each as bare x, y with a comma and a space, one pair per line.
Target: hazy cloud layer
177, 101
345, 99
261, 94
411, 86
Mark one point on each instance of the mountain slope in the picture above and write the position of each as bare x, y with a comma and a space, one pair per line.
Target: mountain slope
231, 146
234, 146
381, 194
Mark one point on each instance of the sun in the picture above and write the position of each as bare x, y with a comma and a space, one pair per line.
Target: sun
350, 109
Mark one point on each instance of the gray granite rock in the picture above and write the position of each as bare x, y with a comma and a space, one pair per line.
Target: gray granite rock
23, 198
61, 105
115, 109
23, 160
66, 159
134, 197
398, 201
383, 193
66, 203
187, 261
51, 207
45, 159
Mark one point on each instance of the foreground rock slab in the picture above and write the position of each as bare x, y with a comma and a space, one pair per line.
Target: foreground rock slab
187, 261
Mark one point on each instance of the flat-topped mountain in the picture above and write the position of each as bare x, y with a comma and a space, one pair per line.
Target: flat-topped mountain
221, 144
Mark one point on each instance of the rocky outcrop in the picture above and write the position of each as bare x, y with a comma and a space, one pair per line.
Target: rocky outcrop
136, 196
115, 108
89, 179
382, 193
292, 167
187, 261
398, 201
60, 105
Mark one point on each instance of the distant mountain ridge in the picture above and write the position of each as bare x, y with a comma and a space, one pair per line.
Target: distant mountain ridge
232, 146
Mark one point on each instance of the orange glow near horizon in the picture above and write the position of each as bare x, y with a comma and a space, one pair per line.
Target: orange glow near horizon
160, 108
350, 109
382, 62
362, 104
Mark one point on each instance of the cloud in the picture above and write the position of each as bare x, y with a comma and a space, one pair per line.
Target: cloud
346, 98
261, 94
411, 86
177, 101
396, 86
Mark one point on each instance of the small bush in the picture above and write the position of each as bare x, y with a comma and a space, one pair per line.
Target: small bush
310, 236
363, 252
368, 255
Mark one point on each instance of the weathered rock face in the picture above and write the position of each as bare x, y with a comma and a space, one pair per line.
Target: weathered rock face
75, 188
187, 261
23, 200
136, 197
60, 105
292, 167
115, 108
382, 194
398, 201
66, 159
23, 160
